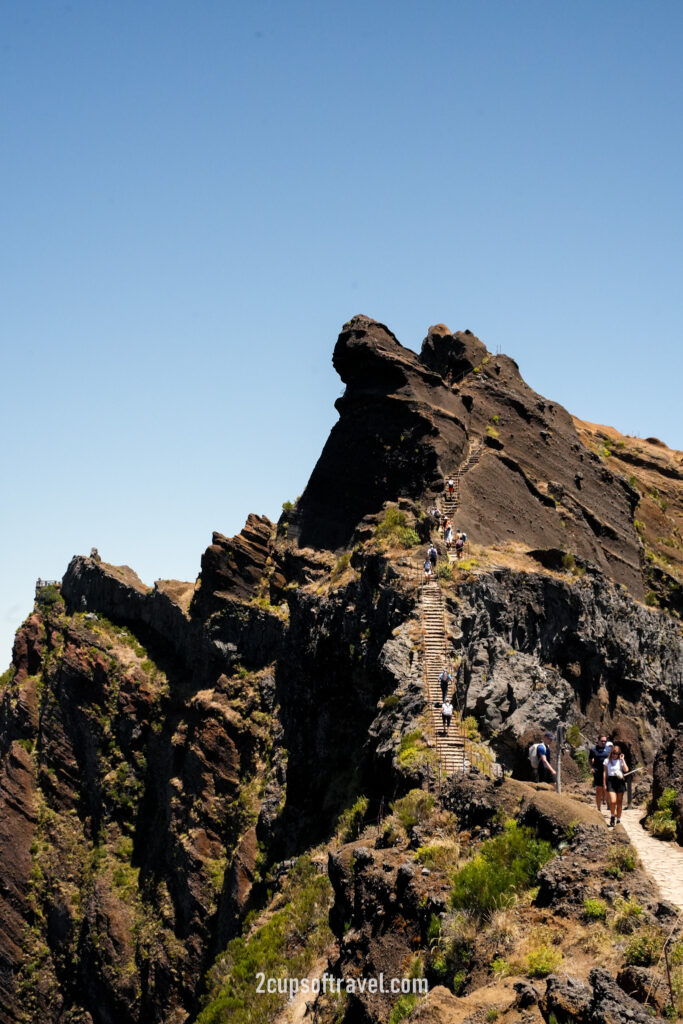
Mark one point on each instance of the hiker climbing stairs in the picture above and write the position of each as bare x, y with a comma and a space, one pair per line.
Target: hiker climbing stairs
450, 745
450, 505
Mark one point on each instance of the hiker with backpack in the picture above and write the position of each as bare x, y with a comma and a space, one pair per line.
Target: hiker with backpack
451, 487
614, 770
428, 570
460, 541
446, 714
597, 757
445, 679
432, 556
540, 756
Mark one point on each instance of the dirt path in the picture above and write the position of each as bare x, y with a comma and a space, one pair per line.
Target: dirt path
662, 860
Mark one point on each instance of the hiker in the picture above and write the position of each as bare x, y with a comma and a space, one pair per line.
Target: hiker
597, 757
428, 570
446, 714
546, 772
459, 543
451, 486
432, 556
435, 514
614, 782
448, 536
445, 679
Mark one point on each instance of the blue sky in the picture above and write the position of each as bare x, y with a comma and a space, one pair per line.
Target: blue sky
197, 195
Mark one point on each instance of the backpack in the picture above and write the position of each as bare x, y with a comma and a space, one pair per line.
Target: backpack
533, 754
464, 538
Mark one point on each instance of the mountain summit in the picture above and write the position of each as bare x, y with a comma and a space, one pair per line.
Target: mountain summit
251, 772
405, 424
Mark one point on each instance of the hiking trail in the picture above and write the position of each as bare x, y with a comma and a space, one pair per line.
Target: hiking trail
662, 860
450, 746
451, 505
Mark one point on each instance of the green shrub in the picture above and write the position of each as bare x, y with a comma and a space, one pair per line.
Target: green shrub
350, 820
439, 856
393, 528
662, 823
492, 1014
666, 800
621, 858
414, 808
506, 864
459, 982
470, 727
501, 967
390, 702
48, 596
581, 758
542, 961
491, 431
594, 909
402, 1008
627, 916
574, 735
643, 949
414, 753
444, 571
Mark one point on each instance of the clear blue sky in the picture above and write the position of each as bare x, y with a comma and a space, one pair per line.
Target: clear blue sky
197, 195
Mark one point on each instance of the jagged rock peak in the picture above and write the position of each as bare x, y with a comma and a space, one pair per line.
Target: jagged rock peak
451, 355
366, 350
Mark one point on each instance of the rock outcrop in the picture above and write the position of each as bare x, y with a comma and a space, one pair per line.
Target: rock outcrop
167, 753
405, 424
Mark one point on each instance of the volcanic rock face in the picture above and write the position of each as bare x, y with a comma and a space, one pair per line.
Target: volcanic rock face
538, 651
163, 748
406, 423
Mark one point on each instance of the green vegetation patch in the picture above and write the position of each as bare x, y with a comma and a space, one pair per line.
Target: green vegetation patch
351, 820
441, 855
414, 808
393, 529
594, 909
283, 947
414, 753
504, 865
542, 961
661, 822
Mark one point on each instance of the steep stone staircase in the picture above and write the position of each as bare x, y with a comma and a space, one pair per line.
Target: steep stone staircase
451, 505
450, 746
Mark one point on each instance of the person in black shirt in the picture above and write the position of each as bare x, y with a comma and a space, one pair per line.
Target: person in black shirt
597, 757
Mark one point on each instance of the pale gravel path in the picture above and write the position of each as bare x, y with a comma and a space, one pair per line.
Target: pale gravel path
662, 860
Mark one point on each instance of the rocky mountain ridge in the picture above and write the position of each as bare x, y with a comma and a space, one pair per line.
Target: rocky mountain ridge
168, 752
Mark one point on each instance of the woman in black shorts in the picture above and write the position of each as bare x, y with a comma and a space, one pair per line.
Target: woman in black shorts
614, 783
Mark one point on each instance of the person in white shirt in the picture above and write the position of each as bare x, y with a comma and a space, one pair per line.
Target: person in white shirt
614, 783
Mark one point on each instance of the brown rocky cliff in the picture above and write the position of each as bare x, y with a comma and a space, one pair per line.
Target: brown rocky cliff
163, 747
406, 423
123, 798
